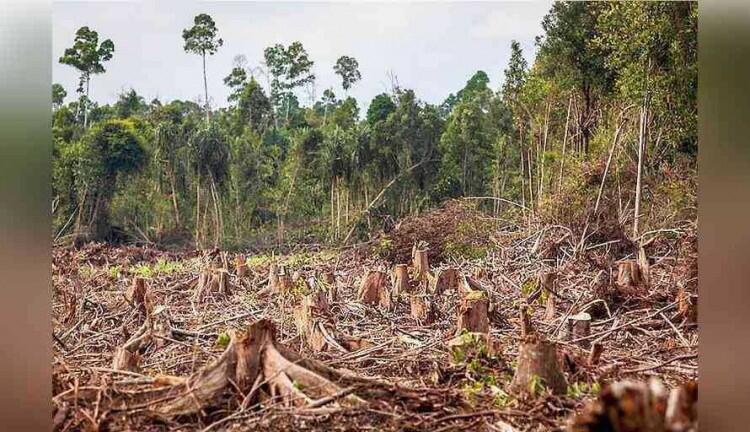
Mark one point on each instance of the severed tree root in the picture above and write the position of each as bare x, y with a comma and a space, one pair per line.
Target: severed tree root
261, 369
629, 406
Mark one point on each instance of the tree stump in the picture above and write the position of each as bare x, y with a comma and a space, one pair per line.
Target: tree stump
422, 309
138, 295
685, 306
526, 328
212, 282
279, 281
579, 326
446, 279
628, 274
595, 354
240, 266
126, 360
329, 278
549, 313
643, 266
374, 290
401, 283
419, 261
631, 406
472, 313
538, 368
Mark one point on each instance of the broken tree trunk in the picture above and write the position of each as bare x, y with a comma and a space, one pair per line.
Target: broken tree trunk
446, 279
630, 406
472, 312
579, 326
538, 368
374, 290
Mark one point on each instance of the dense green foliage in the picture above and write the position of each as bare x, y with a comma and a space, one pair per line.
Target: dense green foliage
269, 165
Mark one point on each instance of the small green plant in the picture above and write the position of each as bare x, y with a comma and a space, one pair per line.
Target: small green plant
536, 385
581, 389
114, 271
501, 398
259, 260
143, 270
222, 340
86, 271
383, 248
161, 267
529, 286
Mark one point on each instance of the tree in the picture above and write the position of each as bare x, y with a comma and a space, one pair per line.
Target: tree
130, 103
58, 95
109, 151
515, 74
202, 39
348, 69
379, 108
289, 69
253, 107
87, 56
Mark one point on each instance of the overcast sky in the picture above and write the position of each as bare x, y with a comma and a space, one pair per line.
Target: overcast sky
432, 48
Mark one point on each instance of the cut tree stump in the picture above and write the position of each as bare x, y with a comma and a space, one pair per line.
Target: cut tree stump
138, 295
212, 282
401, 283
523, 313
538, 368
374, 290
279, 280
630, 406
685, 305
156, 329
240, 266
447, 279
629, 274
551, 308
579, 326
472, 313
126, 360
419, 260
422, 309
595, 354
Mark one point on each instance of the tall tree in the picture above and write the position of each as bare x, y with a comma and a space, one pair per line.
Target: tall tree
348, 69
289, 68
202, 39
88, 56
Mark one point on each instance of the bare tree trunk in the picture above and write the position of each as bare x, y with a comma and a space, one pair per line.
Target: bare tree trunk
565, 141
205, 86
641, 145
86, 105
172, 182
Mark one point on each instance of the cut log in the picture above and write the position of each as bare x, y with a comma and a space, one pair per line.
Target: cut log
472, 313
401, 283
419, 261
447, 279
374, 290
630, 406
579, 326
422, 309
538, 368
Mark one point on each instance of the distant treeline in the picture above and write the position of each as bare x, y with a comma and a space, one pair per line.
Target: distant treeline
609, 79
